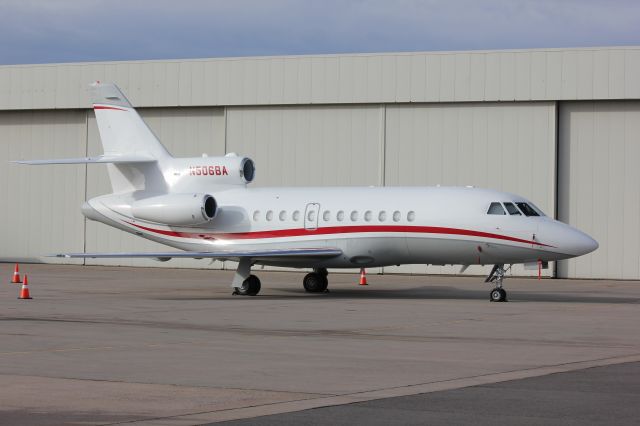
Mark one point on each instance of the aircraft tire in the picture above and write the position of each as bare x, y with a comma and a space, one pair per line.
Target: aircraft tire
498, 295
321, 271
250, 287
315, 283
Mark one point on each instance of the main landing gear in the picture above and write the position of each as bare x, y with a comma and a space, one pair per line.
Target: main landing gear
246, 284
498, 294
316, 281
250, 287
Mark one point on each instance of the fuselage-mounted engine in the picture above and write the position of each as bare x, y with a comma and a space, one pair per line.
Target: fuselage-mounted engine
176, 209
205, 173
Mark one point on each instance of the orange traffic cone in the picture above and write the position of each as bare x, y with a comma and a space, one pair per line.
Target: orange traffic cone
363, 277
16, 276
24, 293
539, 269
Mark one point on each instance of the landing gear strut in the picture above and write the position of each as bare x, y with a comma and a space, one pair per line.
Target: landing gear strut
498, 294
245, 284
316, 281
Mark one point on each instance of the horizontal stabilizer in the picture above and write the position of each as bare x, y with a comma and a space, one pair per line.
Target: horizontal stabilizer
91, 160
297, 253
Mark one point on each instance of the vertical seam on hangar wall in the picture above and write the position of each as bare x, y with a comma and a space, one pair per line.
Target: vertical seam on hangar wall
224, 112
86, 183
383, 144
556, 144
383, 152
556, 175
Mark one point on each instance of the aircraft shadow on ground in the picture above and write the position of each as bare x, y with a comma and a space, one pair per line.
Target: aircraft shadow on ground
418, 293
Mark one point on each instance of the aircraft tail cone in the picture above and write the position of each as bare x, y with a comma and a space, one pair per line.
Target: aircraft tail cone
24, 293
16, 275
363, 277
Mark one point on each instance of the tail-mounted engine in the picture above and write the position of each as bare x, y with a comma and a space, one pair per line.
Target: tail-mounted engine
176, 209
200, 172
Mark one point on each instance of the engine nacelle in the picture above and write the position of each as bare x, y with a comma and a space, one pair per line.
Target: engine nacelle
176, 209
227, 170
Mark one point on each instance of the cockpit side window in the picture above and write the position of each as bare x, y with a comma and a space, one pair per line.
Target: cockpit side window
513, 210
534, 207
527, 209
496, 208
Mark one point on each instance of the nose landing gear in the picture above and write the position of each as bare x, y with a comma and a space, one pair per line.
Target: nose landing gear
498, 294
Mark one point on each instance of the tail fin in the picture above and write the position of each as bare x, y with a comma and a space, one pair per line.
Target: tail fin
121, 129
124, 133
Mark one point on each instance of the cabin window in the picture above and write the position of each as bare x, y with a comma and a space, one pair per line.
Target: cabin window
326, 216
513, 210
269, 215
256, 215
296, 215
283, 215
311, 216
496, 208
382, 216
368, 215
340, 216
527, 209
411, 216
396, 216
354, 216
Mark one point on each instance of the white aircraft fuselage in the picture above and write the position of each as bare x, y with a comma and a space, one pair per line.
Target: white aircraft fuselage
372, 226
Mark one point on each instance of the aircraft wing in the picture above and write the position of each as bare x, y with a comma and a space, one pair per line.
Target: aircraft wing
91, 160
282, 254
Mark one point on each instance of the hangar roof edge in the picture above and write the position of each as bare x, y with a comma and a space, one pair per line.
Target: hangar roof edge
544, 74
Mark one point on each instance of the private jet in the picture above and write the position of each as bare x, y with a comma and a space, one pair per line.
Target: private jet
203, 207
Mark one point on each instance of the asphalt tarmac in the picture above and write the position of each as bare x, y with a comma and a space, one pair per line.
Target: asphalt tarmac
100, 345
595, 396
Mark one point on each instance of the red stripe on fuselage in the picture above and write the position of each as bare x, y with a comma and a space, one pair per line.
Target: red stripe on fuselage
297, 232
108, 107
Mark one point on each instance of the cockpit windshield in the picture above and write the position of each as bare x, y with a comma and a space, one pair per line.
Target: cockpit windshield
513, 210
527, 209
537, 210
517, 208
496, 208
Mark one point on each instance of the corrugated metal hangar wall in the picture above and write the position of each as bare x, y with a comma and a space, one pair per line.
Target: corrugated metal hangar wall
560, 127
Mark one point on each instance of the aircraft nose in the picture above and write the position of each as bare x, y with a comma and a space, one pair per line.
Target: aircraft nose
580, 243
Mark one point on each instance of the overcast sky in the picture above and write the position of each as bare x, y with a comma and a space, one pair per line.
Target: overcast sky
98, 30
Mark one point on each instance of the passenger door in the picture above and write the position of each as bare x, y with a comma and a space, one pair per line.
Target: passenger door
311, 216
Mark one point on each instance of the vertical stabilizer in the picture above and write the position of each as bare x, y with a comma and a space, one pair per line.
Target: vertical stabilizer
123, 132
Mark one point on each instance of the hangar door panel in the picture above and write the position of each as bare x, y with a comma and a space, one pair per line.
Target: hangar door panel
41, 204
599, 177
184, 132
506, 147
303, 146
